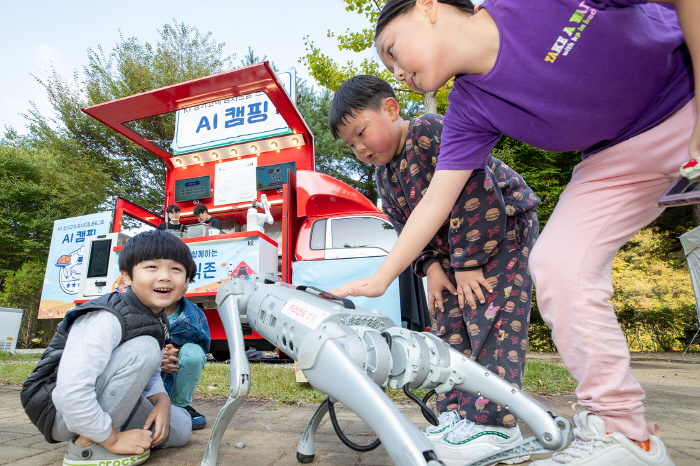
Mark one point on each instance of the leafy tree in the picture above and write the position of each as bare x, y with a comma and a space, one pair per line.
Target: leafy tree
332, 157
547, 173
40, 184
330, 74
181, 54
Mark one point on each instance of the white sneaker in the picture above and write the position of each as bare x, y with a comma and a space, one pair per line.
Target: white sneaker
592, 445
468, 441
447, 421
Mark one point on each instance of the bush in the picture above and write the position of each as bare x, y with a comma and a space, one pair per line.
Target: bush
22, 290
653, 296
540, 335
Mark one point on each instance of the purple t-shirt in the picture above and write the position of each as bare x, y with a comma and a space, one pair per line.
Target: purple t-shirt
570, 75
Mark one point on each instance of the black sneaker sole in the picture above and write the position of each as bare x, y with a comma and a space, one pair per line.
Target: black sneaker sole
198, 426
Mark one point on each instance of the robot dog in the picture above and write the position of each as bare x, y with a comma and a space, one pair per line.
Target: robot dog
351, 353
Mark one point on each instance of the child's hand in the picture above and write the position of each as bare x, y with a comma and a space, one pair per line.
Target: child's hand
169, 362
469, 283
129, 442
438, 281
160, 414
369, 286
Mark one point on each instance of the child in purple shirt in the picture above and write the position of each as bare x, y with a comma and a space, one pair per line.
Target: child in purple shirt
612, 78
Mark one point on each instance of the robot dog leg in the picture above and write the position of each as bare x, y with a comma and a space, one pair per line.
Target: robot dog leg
239, 377
349, 353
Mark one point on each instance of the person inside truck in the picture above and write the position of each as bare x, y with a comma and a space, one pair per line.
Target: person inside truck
482, 244
202, 214
98, 384
184, 355
173, 223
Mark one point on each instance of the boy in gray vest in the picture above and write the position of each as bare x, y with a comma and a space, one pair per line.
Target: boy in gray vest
98, 384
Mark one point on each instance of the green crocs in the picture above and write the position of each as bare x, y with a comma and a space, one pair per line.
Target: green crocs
97, 455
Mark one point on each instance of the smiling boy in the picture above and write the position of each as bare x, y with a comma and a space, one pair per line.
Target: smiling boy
98, 384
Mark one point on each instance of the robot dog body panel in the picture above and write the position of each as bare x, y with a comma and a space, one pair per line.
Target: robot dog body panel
351, 353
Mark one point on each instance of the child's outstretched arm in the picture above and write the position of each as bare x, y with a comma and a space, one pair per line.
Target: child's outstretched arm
424, 222
688, 12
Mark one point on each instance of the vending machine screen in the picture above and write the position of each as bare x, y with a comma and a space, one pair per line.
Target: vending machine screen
99, 258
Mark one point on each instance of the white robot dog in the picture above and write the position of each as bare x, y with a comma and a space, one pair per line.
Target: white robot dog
350, 354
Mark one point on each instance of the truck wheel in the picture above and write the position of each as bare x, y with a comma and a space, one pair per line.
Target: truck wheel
221, 356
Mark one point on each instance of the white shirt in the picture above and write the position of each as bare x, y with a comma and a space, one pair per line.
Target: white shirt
91, 341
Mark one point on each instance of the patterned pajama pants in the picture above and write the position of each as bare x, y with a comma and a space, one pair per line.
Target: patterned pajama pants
495, 333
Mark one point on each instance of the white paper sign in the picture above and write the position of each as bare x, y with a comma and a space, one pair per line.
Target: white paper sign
235, 181
235, 120
304, 313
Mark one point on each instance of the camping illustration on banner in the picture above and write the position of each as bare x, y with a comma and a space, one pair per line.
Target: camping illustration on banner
242, 271
69, 267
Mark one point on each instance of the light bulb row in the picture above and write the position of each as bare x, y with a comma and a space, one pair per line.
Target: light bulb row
240, 150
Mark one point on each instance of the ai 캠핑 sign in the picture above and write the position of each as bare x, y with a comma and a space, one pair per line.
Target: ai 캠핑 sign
247, 117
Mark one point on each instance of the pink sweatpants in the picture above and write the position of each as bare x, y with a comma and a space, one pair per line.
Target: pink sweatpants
610, 197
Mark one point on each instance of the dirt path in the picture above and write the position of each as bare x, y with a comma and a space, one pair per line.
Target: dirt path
271, 432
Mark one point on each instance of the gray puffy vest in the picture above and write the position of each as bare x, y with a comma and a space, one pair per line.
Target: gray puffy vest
136, 320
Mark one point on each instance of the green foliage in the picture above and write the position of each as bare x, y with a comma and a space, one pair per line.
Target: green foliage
181, 54
330, 74
653, 295
539, 334
547, 173
38, 185
22, 290
332, 157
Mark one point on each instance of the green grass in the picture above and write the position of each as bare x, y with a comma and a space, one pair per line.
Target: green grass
9, 357
547, 379
277, 381
15, 368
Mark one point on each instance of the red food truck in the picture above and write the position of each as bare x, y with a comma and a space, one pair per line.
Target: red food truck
235, 143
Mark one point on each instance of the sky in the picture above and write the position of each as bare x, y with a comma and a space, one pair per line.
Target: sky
38, 36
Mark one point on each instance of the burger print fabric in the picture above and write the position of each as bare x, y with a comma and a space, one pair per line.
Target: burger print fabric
493, 226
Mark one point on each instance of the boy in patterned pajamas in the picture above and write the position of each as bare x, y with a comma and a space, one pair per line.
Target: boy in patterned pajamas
487, 239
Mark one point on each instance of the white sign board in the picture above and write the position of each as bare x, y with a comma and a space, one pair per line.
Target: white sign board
235, 181
230, 121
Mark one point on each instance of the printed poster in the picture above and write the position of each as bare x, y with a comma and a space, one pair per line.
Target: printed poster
234, 181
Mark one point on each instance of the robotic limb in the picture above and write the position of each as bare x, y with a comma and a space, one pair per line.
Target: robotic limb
239, 377
349, 353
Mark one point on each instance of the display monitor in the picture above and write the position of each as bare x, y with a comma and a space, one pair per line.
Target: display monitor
99, 258
193, 189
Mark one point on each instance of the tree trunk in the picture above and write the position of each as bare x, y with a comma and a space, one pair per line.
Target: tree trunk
695, 214
430, 102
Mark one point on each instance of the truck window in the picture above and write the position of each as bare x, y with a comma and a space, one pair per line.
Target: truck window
318, 235
363, 232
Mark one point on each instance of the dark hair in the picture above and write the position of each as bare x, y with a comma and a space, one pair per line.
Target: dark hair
396, 8
172, 208
200, 209
363, 92
156, 244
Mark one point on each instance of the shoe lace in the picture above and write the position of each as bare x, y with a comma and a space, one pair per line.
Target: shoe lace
582, 445
461, 430
447, 418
